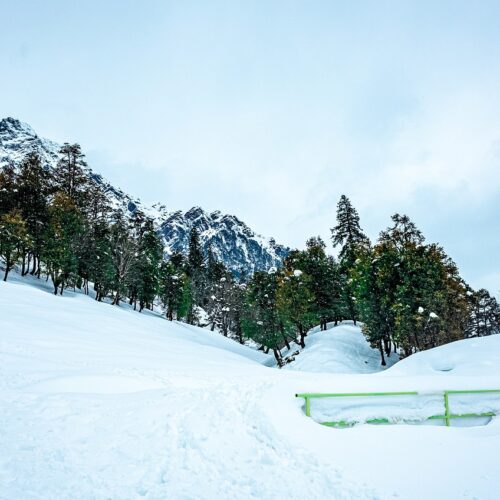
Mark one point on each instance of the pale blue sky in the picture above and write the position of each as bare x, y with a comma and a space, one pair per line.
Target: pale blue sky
271, 110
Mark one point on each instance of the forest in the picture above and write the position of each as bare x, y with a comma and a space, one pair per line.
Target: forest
58, 224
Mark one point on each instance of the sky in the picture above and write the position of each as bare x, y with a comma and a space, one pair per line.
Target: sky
271, 110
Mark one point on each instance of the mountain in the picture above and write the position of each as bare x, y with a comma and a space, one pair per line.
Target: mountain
230, 239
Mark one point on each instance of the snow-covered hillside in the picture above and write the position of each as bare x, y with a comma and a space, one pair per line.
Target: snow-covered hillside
339, 349
98, 401
230, 239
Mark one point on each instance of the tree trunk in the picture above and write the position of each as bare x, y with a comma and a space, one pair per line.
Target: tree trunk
302, 337
286, 342
387, 347
6, 273
33, 270
279, 359
381, 353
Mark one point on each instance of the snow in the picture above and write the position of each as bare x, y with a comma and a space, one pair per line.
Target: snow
464, 357
339, 349
99, 401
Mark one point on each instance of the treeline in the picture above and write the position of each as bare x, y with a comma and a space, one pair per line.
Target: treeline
409, 296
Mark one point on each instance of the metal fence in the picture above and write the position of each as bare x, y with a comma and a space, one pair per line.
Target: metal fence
447, 416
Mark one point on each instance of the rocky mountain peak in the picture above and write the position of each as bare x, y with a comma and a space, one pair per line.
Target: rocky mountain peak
229, 239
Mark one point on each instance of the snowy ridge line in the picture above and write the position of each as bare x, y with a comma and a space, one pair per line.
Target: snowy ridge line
229, 239
479, 415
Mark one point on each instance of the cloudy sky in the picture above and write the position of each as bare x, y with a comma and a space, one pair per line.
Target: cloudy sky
271, 110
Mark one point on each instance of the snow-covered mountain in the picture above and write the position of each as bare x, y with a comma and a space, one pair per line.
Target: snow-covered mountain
230, 239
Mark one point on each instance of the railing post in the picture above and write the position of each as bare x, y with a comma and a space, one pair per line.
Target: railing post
308, 407
446, 409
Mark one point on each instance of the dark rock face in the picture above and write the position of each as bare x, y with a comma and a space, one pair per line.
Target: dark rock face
229, 239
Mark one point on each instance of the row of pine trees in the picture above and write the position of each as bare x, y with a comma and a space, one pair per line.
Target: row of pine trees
58, 224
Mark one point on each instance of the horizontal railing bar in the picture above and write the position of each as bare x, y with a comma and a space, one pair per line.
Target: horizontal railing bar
478, 391
403, 393
345, 423
354, 394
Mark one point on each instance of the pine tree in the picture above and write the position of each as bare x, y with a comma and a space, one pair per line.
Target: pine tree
61, 241
260, 318
13, 238
174, 288
69, 174
196, 273
8, 189
485, 314
33, 189
349, 235
94, 261
374, 289
219, 301
149, 257
403, 233
123, 252
325, 282
101, 268
294, 302
410, 294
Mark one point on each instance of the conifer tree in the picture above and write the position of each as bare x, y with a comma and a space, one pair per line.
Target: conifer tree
94, 249
260, 319
347, 233
13, 238
174, 288
485, 314
60, 241
8, 190
69, 174
149, 257
220, 291
349, 236
294, 300
123, 250
196, 273
325, 282
33, 190
101, 265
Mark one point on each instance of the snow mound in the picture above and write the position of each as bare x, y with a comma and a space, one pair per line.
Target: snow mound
474, 357
339, 349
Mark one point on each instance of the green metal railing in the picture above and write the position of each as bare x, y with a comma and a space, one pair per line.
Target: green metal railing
447, 417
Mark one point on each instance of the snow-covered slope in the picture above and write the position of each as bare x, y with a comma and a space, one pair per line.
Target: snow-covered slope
464, 357
231, 240
98, 401
339, 349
